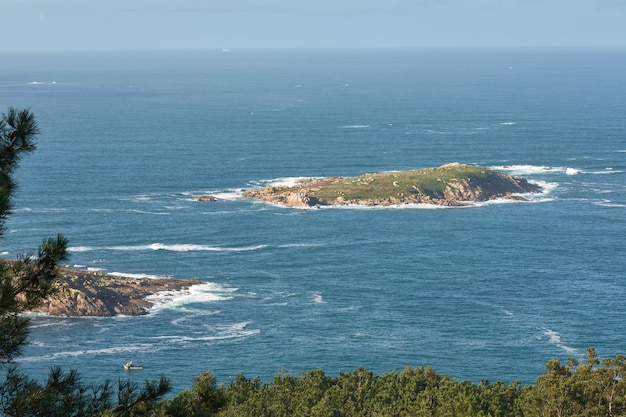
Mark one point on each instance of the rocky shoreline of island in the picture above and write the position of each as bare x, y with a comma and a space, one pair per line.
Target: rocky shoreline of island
449, 185
80, 293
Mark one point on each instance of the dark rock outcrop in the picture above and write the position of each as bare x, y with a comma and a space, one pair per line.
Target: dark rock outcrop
83, 293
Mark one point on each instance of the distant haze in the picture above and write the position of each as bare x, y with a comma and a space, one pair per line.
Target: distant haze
32, 25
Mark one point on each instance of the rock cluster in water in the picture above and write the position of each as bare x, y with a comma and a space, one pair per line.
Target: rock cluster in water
84, 293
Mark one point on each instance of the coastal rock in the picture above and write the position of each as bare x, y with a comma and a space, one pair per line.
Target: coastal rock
205, 198
83, 293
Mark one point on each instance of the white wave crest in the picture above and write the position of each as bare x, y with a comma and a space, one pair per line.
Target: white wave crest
228, 195
317, 298
571, 171
301, 245
608, 203
221, 332
183, 247
201, 293
43, 83
355, 127
88, 352
529, 169
607, 171
284, 181
80, 248
555, 339
136, 276
201, 248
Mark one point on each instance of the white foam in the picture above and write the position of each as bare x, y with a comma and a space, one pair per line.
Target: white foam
607, 203
42, 83
228, 195
607, 171
223, 332
190, 248
529, 169
508, 123
317, 298
355, 127
301, 245
190, 317
156, 213
571, 171
201, 293
555, 339
285, 181
183, 247
136, 276
83, 352
80, 248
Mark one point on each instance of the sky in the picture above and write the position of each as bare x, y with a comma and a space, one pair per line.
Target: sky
57, 25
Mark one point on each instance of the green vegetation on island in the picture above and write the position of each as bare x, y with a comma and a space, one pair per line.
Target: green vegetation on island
448, 185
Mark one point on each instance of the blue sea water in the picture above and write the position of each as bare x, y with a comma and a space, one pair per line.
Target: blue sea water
487, 292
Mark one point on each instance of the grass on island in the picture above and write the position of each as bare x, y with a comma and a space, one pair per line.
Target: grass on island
431, 182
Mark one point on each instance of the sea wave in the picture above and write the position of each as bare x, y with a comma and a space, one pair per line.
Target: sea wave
301, 245
530, 169
317, 298
136, 276
127, 348
218, 332
606, 171
458, 131
42, 83
196, 294
282, 181
183, 247
608, 203
554, 338
542, 169
355, 127
230, 194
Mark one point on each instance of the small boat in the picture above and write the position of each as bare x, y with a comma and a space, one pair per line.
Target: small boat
130, 366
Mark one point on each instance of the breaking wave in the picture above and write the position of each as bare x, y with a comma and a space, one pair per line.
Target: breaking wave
554, 338
165, 247
196, 294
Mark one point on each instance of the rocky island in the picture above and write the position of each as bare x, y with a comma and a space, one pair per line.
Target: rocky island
448, 185
85, 293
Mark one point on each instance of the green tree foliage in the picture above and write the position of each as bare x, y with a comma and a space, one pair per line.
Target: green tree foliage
25, 282
203, 400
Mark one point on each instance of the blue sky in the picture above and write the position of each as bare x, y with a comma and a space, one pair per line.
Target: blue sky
29, 25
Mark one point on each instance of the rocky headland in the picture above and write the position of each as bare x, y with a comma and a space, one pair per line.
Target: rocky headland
448, 185
84, 293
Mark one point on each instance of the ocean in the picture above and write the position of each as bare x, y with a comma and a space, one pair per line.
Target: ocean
492, 291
